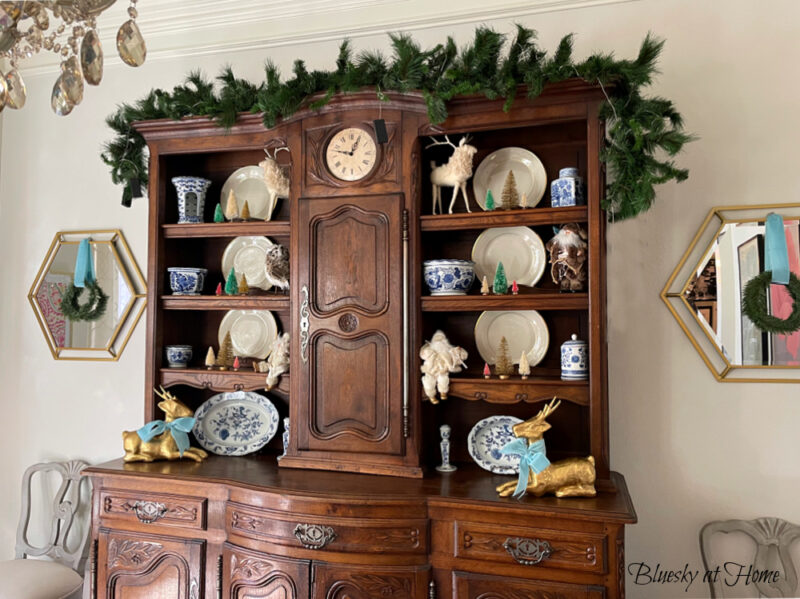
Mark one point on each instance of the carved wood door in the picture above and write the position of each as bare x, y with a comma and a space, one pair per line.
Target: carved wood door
251, 575
336, 581
351, 327
135, 566
467, 585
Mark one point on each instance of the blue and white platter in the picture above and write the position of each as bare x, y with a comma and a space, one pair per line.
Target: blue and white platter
235, 423
487, 438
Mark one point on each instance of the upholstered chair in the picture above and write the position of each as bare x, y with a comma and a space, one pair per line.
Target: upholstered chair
54, 575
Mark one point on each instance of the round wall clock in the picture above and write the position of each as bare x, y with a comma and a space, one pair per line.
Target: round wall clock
351, 154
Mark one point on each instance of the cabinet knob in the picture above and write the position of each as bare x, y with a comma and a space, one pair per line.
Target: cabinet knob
528, 552
149, 511
314, 536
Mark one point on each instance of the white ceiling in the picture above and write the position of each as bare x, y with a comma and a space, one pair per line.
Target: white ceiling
193, 27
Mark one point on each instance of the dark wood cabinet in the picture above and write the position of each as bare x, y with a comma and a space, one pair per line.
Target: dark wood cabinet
137, 566
324, 521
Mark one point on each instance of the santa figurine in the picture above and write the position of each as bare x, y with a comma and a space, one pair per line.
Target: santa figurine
439, 359
568, 253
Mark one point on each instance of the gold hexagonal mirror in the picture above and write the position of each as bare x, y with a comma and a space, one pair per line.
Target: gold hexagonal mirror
116, 273
705, 290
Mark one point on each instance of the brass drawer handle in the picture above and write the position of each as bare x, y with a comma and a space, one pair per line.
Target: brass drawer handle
528, 552
314, 536
149, 511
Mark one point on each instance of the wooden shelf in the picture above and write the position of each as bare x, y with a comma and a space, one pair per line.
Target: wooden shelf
273, 227
504, 218
222, 380
526, 300
515, 390
225, 302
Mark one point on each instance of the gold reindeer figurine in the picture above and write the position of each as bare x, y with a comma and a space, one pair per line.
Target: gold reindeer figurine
163, 439
573, 477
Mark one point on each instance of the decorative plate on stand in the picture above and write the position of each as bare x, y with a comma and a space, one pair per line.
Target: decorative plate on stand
528, 172
520, 250
525, 331
252, 332
248, 256
487, 438
235, 423
248, 185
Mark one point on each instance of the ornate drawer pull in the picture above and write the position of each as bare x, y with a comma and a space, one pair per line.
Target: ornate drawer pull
314, 536
149, 511
528, 552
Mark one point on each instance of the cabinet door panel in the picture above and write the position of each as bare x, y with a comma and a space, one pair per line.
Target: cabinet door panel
352, 362
135, 566
335, 581
252, 575
479, 586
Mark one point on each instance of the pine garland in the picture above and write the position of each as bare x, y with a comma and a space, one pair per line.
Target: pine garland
643, 133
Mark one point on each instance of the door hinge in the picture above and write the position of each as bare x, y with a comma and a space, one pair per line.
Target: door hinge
93, 571
432, 590
219, 576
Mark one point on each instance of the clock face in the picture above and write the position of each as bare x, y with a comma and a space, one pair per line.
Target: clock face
351, 154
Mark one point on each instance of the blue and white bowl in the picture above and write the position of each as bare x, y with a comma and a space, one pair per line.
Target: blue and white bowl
178, 356
186, 281
449, 277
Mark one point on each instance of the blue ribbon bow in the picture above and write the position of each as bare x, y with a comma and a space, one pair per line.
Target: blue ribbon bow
84, 265
532, 458
178, 427
776, 256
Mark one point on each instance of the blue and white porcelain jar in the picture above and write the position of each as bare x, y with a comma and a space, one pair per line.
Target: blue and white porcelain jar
574, 360
186, 281
567, 190
191, 198
449, 277
178, 356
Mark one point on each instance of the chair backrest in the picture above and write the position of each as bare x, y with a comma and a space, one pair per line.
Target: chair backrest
66, 503
773, 538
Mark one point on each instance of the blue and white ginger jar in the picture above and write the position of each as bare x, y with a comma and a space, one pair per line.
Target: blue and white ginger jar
567, 190
574, 360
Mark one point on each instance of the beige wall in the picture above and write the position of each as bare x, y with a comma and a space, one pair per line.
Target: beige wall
692, 449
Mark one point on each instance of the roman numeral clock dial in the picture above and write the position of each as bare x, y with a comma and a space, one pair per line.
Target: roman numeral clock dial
351, 154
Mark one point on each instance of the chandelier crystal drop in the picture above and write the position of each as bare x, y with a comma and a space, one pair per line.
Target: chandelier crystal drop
67, 28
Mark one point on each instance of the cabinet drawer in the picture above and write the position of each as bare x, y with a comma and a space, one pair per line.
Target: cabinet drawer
154, 508
478, 586
350, 535
531, 547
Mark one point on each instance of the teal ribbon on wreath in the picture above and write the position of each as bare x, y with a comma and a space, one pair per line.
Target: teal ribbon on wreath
776, 256
84, 265
532, 458
178, 427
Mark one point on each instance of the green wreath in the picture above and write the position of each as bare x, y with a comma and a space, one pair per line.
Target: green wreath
754, 304
91, 310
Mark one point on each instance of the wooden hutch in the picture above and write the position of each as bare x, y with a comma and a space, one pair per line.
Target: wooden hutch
381, 522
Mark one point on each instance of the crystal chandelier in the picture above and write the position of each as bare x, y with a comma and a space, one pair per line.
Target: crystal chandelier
68, 28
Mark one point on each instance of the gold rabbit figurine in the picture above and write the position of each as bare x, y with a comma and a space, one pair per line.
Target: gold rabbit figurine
573, 477
163, 439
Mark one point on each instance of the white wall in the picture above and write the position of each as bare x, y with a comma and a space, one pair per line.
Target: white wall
692, 449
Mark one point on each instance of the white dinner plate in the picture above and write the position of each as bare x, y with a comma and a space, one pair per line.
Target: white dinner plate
525, 331
528, 172
487, 438
235, 423
520, 250
252, 332
248, 256
249, 186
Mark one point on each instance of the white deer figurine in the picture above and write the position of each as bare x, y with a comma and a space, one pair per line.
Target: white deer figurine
276, 180
453, 174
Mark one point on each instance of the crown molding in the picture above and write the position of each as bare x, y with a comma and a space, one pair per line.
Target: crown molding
185, 28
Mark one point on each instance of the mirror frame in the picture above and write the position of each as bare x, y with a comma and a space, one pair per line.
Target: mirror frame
133, 312
674, 295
